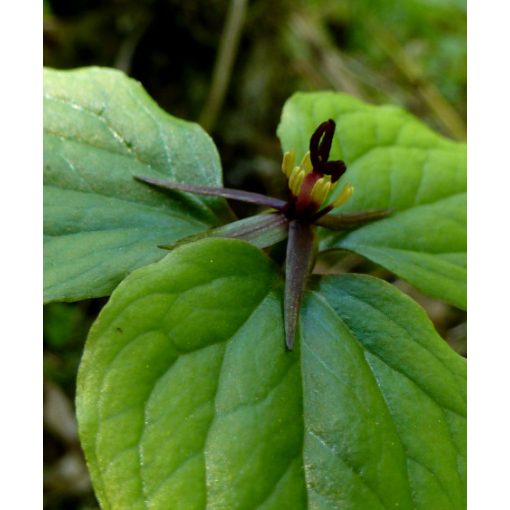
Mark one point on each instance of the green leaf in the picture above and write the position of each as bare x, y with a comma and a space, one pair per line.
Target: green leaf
384, 401
100, 129
394, 162
425, 245
188, 399
186, 394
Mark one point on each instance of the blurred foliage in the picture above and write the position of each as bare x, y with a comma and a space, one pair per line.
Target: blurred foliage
406, 52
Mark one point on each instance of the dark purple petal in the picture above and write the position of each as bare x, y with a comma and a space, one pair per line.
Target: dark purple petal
232, 194
298, 265
334, 168
320, 143
327, 140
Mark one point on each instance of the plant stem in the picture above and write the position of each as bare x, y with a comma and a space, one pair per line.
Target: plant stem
229, 44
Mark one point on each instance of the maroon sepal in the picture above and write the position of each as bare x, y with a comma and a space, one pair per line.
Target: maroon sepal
232, 194
300, 246
348, 221
262, 230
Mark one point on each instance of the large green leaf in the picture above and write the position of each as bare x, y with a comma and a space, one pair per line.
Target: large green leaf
100, 129
187, 398
384, 401
394, 162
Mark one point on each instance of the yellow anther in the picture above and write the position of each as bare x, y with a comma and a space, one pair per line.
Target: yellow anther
295, 186
306, 163
295, 179
288, 162
321, 189
344, 195
325, 190
293, 175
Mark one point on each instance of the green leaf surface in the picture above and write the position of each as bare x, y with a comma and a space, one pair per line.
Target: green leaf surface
100, 129
186, 395
187, 398
394, 161
384, 401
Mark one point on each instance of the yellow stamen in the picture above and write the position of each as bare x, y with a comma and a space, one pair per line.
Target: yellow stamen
296, 179
306, 163
327, 188
288, 162
333, 185
299, 181
293, 175
321, 189
344, 195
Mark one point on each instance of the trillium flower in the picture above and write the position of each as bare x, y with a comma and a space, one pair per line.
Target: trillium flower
310, 184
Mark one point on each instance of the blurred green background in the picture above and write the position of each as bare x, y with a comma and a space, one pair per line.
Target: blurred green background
230, 65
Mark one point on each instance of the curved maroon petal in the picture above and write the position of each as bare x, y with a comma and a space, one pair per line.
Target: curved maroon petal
334, 168
320, 143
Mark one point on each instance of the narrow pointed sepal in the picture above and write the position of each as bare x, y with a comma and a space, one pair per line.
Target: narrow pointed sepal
349, 221
232, 194
300, 248
262, 230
